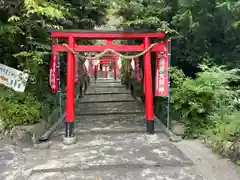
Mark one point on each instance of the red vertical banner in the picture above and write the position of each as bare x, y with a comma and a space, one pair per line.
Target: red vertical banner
137, 70
90, 68
95, 71
161, 78
53, 73
115, 58
77, 69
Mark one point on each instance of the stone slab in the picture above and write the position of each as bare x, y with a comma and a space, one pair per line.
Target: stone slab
102, 75
108, 80
110, 124
107, 90
111, 84
109, 107
178, 173
10, 166
132, 156
112, 121
95, 151
107, 97
5, 158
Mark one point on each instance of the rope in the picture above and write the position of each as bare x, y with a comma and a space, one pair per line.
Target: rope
73, 52
107, 51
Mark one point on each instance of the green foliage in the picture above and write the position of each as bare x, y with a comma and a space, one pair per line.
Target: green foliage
225, 136
25, 44
144, 14
17, 108
207, 28
195, 100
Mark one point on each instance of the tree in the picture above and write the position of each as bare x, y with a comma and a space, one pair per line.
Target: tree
25, 41
207, 30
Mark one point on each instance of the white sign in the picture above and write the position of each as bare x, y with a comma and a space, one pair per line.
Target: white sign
13, 78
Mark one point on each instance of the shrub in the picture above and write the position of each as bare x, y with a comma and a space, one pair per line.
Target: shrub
18, 108
195, 100
225, 136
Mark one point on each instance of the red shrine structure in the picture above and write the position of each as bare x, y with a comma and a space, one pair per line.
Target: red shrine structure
103, 64
109, 37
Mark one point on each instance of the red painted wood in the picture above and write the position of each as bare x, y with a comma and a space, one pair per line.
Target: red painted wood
148, 83
109, 42
70, 104
126, 48
91, 35
105, 62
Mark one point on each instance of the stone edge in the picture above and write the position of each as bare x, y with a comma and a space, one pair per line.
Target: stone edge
47, 134
168, 132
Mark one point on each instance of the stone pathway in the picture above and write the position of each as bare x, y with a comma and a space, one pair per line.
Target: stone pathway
112, 145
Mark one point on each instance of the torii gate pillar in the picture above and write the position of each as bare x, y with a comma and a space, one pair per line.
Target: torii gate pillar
70, 100
148, 88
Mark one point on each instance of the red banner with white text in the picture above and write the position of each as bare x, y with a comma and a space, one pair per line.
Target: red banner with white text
53, 73
161, 78
137, 70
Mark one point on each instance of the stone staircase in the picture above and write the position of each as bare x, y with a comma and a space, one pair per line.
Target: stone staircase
112, 144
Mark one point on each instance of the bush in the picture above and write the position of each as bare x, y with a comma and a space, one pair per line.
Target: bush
209, 106
195, 100
225, 136
18, 108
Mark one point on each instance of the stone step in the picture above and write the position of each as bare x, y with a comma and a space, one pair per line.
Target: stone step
106, 90
107, 85
110, 124
102, 83
107, 98
99, 152
109, 108
108, 80
121, 173
102, 74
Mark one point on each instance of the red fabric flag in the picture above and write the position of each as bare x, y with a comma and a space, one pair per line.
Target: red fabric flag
161, 88
137, 70
53, 74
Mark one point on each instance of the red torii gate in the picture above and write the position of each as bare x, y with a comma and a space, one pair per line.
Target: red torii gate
105, 60
105, 63
108, 37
